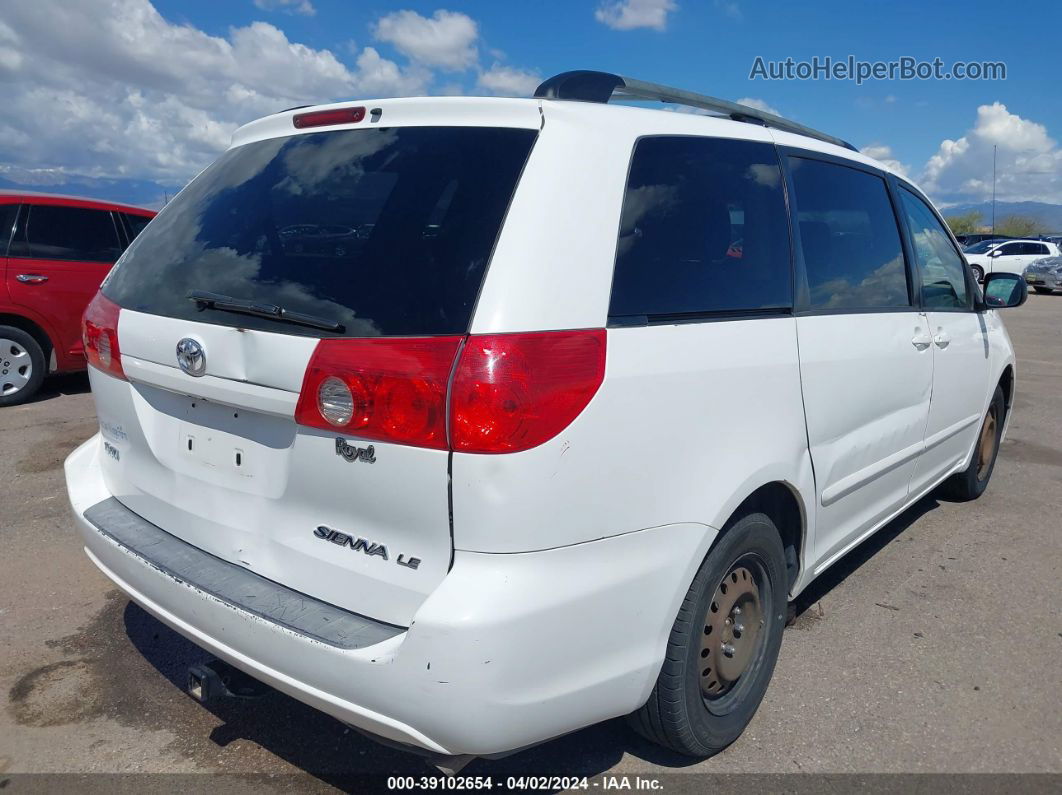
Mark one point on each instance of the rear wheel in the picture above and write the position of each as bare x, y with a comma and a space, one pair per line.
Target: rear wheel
1043, 290
972, 482
21, 366
978, 272
723, 645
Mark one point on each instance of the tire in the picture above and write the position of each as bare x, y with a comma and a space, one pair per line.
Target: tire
680, 715
978, 273
1043, 290
22, 366
972, 481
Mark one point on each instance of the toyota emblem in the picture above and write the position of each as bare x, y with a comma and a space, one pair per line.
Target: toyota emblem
191, 357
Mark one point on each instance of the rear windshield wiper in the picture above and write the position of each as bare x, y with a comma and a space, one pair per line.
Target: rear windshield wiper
226, 303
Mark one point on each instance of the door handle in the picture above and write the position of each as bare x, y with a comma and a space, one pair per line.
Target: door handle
921, 340
941, 339
32, 278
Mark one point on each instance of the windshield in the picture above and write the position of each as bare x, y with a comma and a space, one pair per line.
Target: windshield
982, 247
385, 231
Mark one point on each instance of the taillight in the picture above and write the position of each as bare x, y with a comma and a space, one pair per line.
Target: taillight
386, 389
99, 334
321, 118
512, 392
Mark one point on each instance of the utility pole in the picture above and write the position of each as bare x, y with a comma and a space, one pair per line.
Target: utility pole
993, 189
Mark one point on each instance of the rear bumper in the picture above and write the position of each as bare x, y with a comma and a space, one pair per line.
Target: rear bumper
508, 651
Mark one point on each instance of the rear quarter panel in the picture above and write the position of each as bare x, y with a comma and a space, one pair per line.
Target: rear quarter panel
689, 421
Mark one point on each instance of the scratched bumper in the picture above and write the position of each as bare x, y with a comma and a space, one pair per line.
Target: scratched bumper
510, 650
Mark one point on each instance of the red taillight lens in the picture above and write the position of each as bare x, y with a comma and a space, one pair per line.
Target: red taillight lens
512, 392
392, 390
321, 118
99, 334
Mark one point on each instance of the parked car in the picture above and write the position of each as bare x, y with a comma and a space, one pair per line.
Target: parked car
54, 252
1010, 256
1045, 275
468, 508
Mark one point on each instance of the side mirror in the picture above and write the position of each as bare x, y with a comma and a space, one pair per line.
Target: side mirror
995, 253
1004, 290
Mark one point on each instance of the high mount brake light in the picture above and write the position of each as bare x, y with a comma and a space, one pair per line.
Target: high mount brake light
323, 118
510, 392
99, 335
385, 389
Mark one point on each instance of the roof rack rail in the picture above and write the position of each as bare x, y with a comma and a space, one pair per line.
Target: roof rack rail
590, 86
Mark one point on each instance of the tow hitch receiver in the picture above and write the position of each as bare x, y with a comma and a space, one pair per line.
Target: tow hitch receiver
215, 679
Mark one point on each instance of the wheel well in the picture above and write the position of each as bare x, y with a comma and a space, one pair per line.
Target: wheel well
30, 328
1006, 381
778, 501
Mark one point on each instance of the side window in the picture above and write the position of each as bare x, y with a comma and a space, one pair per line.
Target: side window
71, 233
135, 224
942, 270
1010, 249
849, 237
1036, 249
703, 230
8, 212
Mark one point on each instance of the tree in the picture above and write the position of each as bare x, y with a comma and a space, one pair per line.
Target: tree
965, 224
1020, 226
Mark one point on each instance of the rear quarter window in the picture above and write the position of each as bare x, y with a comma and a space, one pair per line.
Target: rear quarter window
703, 230
386, 231
135, 224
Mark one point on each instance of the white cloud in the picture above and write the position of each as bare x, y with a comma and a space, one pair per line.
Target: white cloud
758, 104
631, 14
508, 81
447, 39
883, 154
1028, 161
304, 7
128, 93
730, 8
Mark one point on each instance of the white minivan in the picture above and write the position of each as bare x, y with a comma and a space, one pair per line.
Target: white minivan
475, 421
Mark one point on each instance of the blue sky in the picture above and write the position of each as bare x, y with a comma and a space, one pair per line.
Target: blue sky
173, 92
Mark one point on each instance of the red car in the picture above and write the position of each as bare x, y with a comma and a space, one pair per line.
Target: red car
54, 252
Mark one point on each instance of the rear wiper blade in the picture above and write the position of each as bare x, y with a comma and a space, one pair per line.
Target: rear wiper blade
226, 303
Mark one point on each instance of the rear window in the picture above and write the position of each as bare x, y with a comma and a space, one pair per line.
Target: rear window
386, 231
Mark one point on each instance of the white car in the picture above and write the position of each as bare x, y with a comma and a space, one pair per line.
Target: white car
1010, 256
562, 460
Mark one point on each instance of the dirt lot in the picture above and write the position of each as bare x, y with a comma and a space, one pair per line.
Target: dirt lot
936, 646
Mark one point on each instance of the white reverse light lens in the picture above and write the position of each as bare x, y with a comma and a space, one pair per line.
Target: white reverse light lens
334, 401
103, 347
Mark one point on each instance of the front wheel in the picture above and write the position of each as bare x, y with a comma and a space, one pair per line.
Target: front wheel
972, 481
723, 645
978, 273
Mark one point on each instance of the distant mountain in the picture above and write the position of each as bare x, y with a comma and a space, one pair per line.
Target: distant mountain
141, 192
1049, 214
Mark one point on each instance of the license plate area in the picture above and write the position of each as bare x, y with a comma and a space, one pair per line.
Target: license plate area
224, 447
